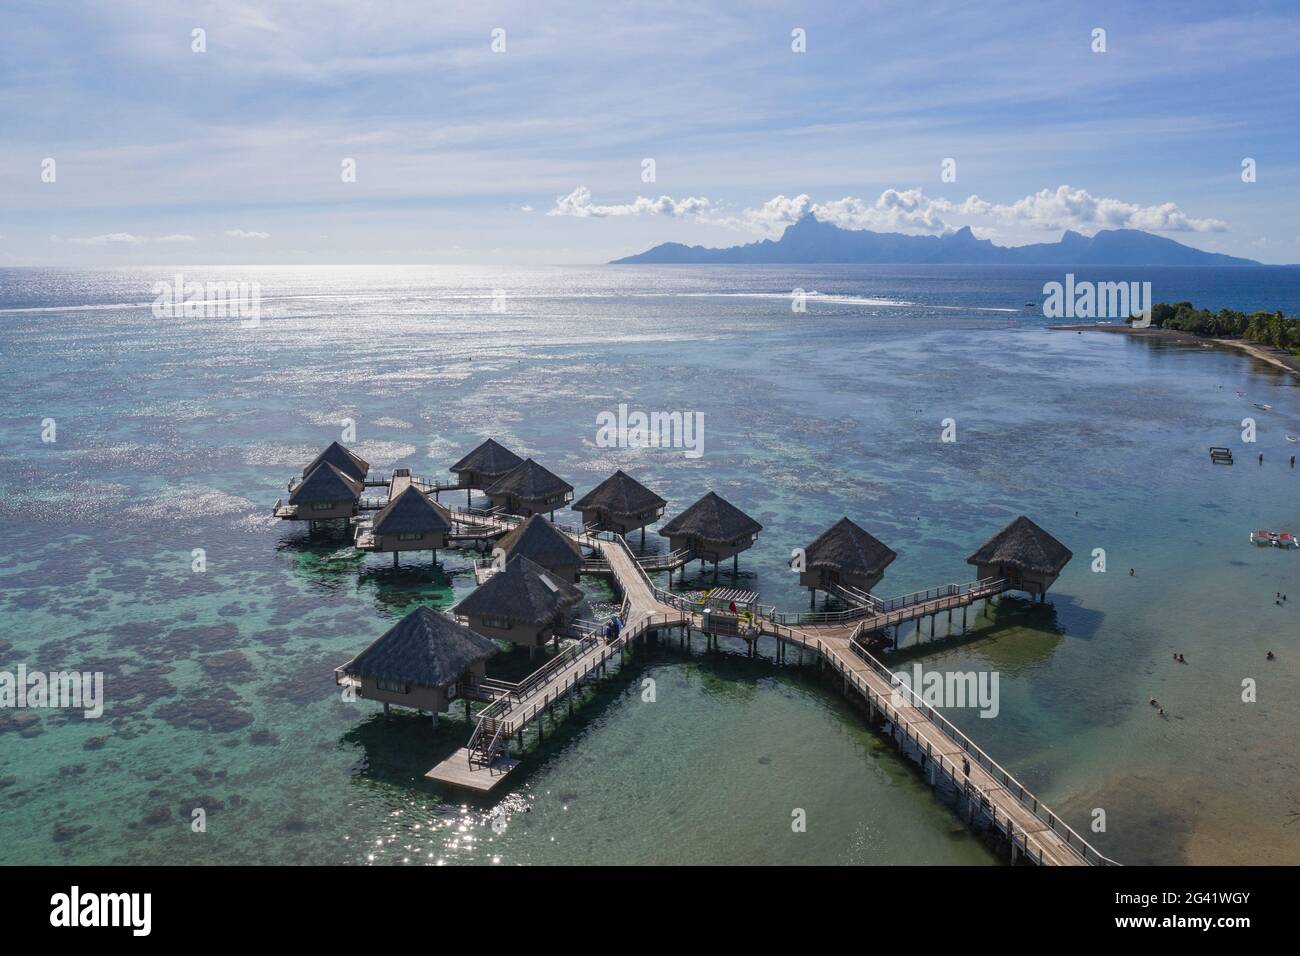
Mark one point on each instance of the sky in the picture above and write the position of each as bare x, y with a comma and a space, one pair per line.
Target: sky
579, 132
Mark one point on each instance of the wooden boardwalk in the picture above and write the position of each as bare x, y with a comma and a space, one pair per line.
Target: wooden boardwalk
946, 754
559, 679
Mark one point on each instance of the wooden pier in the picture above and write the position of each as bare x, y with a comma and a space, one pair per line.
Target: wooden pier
1030, 829
838, 640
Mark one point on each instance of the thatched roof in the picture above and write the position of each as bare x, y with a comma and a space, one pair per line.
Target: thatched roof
712, 518
541, 542
524, 592
411, 512
530, 482
426, 647
1022, 544
352, 465
489, 458
619, 494
847, 548
325, 483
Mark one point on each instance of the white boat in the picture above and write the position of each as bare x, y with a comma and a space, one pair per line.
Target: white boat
1292, 439
1267, 408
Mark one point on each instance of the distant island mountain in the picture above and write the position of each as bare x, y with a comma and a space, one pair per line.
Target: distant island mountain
811, 241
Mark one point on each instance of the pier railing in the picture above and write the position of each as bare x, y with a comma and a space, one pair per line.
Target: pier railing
542, 675
672, 560
1023, 794
493, 730
893, 610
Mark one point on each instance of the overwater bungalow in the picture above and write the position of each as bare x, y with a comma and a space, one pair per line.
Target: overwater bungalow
545, 545
485, 464
523, 604
325, 494
843, 556
530, 490
424, 661
1025, 555
348, 462
409, 522
712, 528
620, 504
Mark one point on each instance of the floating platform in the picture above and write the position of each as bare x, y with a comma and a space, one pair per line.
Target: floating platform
457, 770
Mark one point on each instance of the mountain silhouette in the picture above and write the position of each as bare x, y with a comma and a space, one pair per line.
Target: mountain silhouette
812, 241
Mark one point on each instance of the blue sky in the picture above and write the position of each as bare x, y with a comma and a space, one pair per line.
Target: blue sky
535, 154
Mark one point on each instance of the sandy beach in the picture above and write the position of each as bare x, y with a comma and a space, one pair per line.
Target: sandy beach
1275, 357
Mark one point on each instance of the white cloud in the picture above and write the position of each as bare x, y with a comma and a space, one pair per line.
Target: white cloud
578, 203
110, 238
177, 237
893, 210
910, 210
242, 234
1066, 208
778, 212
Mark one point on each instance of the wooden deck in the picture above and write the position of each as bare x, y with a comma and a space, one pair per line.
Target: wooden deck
458, 771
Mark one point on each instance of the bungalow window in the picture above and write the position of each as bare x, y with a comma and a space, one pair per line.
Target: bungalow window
410, 536
322, 505
390, 685
500, 623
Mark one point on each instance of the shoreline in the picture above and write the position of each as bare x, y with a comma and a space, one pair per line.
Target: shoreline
1289, 363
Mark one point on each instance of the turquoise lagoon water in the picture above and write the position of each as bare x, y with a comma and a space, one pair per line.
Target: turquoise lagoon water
180, 433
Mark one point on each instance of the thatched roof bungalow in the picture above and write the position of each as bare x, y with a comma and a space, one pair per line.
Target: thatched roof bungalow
844, 555
620, 504
523, 603
1027, 556
326, 493
348, 462
713, 528
410, 522
424, 661
485, 464
529, 490
545, 545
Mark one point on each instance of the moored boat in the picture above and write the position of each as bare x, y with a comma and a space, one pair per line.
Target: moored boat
1265, 539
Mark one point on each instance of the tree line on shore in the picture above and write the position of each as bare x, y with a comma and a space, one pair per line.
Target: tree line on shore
1267, 328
